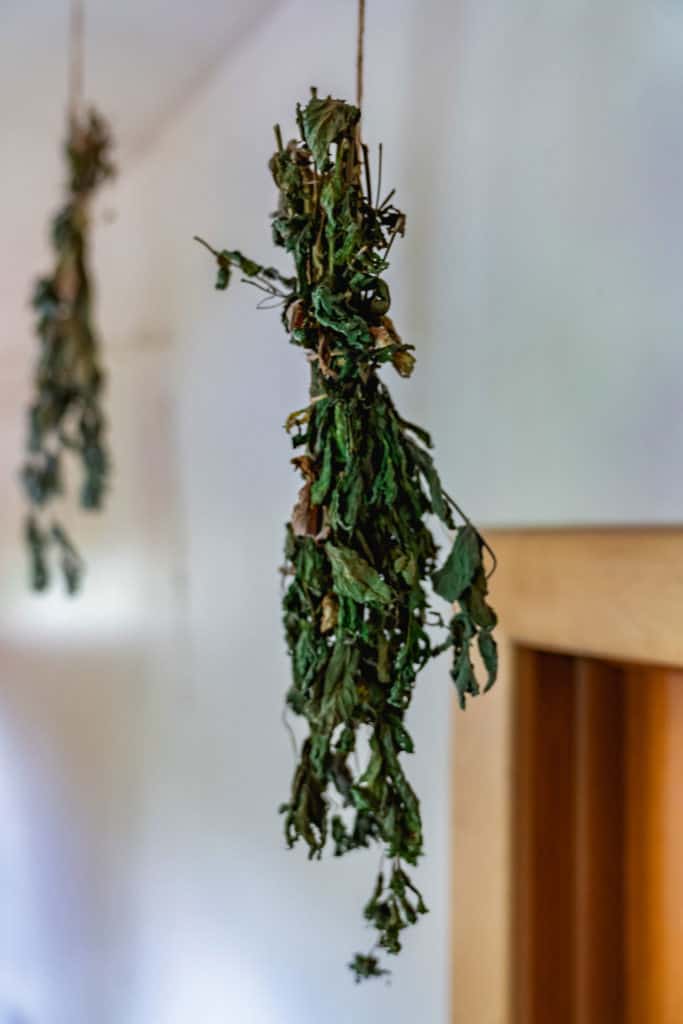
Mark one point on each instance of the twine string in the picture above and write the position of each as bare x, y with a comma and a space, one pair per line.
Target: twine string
76, 59
360, 54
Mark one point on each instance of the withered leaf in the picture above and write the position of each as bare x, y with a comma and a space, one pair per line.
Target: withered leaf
305, 465
322, 485
427, 468
295, 315
325, 121
355, 578
488, 649
330, 613
404, 362
304, 515
461, 566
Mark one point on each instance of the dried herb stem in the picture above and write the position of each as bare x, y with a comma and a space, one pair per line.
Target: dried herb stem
361, 560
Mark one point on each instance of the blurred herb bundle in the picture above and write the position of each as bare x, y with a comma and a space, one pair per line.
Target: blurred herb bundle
65, 415
359, 552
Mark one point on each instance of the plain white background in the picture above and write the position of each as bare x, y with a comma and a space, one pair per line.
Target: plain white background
536, 150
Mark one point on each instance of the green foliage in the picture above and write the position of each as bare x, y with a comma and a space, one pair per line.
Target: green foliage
355, 578
359, 552
65, 415
326, 122
461, 566
393, 907
364, 967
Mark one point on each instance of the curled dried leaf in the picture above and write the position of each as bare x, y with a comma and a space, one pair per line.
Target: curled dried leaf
296, 315
404, 362
305, 517
305, 465
299, 418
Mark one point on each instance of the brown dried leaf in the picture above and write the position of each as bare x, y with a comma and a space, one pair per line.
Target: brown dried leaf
305, 465
296, 314
325, 356
330, 613
404, 362
305, 517
386, 333
381, 336
297, 419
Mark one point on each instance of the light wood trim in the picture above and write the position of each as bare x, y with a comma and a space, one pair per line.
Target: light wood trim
480, 841
602, 593
607, 593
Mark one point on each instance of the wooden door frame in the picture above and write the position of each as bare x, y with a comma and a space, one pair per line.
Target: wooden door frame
601, 593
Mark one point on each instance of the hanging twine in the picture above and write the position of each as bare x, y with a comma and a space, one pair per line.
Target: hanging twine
76, 59
360, 54
359, 72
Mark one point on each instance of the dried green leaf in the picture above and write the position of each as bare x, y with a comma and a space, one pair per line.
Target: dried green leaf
366, 966
464, 678
461, 566
427, 468
355, 578
325, 121
321, 486
482, 613
488, 649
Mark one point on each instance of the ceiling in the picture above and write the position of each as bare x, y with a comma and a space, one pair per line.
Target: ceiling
144, 62
143, 59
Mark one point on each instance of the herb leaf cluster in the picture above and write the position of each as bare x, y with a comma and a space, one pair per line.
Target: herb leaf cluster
359, 552
65, 416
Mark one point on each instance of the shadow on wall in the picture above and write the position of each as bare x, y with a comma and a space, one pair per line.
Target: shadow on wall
70, 791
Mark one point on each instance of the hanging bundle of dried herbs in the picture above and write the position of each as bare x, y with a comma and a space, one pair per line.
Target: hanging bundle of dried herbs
65, 415
359, 551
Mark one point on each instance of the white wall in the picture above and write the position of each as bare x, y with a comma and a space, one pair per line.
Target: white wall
560, 242
536, 151
234, 926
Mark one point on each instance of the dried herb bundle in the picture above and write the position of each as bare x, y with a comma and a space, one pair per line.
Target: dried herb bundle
66, 415
359, 552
